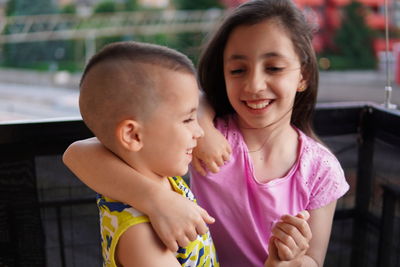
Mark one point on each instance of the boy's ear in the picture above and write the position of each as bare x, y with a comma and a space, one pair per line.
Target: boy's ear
129, 135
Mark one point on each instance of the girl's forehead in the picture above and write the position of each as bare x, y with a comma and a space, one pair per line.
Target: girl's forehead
262, 39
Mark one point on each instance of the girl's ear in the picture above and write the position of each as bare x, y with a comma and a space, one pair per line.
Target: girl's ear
302, 86
129, 135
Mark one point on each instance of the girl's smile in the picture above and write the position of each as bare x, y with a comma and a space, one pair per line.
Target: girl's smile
257, 106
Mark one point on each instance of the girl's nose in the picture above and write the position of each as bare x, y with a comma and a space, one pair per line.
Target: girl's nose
257, 81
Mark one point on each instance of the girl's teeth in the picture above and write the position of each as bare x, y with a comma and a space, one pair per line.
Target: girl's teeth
258, 105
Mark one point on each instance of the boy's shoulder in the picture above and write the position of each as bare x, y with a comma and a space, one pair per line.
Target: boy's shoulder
180, 186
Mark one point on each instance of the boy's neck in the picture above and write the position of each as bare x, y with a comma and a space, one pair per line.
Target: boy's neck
141, 168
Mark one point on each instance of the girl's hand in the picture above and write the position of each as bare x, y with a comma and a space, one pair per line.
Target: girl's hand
212, 151
177, 220
273, 258
292, 236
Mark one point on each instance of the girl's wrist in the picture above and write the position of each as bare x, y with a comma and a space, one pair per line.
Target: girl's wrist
153, 197
206, 123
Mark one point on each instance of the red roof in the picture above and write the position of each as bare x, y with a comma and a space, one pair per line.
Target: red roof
373, 2
380, 44
365, 2
233, 3
376, 21
310, 2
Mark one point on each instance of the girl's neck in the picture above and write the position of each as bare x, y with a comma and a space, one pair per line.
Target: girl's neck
270, 138
273, 150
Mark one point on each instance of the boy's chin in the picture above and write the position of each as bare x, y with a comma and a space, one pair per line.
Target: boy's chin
182, 171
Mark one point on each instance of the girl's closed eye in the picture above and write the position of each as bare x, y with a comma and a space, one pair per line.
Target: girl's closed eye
189, 120
236, 71
274, 69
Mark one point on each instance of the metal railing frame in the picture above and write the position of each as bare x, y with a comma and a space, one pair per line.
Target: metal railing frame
22, 141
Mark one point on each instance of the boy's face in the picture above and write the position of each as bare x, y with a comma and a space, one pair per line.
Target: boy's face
171, 131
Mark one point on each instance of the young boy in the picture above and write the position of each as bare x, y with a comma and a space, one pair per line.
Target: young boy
140, 101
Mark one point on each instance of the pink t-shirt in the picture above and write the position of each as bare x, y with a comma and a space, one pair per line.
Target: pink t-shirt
245, 210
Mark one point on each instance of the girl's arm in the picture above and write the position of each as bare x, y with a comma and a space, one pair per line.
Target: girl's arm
174, 218
212, 150
321, 225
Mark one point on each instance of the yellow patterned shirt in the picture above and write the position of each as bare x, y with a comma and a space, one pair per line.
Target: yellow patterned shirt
117, 217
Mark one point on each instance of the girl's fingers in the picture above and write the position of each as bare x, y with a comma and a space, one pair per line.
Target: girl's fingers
229, 149
212, 167
280, 231
300, 224
273, 258
191, 234
303, 215
293, 234
226, 156
284, 253
183, 240
219, 161
196, 163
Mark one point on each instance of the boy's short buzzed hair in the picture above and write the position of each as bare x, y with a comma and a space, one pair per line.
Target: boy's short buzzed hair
144, 53
120, 82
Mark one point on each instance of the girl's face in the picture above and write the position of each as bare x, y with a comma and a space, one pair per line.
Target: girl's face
262, 74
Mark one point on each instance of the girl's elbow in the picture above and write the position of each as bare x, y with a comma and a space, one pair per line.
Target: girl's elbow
69, 153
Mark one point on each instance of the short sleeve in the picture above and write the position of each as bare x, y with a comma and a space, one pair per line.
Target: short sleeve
228, 128
329, 182
222, 124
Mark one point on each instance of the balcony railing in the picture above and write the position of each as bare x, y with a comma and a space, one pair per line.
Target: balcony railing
49, 218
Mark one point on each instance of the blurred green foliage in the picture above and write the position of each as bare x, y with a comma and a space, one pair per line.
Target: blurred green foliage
68, 9
107, 6
197, 4
131, 5
353, 41
190, 43
70, 55
32, 54
26, 7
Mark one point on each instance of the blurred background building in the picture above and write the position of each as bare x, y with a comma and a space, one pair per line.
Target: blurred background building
47, 43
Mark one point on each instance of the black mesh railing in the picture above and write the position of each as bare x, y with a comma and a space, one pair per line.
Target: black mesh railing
49, 218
